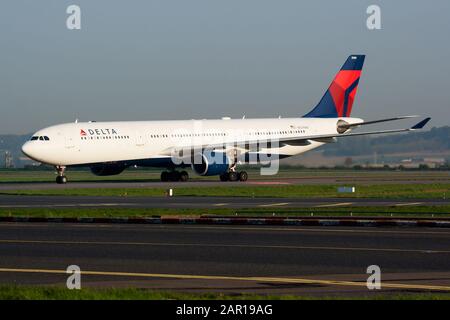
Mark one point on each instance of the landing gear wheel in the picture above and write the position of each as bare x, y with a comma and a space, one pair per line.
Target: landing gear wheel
233, 176
174, 176
184, 176
243, 176
164, 176
224, 177
61, 179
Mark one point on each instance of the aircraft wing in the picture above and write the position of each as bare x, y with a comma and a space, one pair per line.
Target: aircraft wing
324, 137
301, 140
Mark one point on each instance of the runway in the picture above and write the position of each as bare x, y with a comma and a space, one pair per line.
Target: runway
183, 202
297, 178
230, 259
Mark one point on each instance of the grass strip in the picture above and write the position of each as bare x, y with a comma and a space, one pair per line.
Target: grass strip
414, 211
387, 191
59, 293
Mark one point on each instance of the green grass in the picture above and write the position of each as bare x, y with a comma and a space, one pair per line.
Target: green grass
390, 191
25, 176
58, 293
414, 211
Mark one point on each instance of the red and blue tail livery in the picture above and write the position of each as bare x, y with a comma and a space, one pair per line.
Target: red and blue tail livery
338, 99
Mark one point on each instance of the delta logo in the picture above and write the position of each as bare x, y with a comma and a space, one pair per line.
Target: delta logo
97, 132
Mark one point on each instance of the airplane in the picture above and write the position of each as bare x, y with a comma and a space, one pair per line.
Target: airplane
209, 147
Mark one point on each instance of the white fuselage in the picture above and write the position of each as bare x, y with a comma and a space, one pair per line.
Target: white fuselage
86, 143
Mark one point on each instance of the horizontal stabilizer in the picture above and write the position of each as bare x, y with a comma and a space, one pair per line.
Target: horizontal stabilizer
417, 126
357, 124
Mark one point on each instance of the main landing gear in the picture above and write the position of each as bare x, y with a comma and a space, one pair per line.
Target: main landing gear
61, 178
182, 176
234, 176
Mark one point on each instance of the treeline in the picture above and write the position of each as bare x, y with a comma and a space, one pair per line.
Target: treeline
434, 141
357, 167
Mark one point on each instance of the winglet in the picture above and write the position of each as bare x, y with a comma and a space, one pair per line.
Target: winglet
421, 124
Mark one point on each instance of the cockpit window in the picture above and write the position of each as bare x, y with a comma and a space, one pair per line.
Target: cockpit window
41, 138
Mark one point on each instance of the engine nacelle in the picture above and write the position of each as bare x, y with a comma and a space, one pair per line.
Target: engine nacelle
211, 163
342, 126
107, 169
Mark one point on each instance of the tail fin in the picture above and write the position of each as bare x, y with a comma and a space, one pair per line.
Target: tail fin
338, 100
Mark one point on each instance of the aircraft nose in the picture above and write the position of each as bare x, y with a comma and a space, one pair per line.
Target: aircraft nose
29, 149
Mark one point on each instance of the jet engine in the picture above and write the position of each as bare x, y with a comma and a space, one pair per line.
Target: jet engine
211, 163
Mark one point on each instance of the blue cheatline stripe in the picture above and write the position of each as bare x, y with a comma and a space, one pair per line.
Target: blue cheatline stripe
347, 95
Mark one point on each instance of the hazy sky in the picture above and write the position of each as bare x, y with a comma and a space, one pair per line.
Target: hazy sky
184, 59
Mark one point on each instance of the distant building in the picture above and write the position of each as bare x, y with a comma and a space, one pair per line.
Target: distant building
436, 161
9, 161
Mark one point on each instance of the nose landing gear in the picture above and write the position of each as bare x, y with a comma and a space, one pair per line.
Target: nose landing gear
61, 178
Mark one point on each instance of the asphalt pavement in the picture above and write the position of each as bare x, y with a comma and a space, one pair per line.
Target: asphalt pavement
186, 202
230, 259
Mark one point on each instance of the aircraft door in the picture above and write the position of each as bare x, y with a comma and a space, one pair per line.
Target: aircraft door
140, 139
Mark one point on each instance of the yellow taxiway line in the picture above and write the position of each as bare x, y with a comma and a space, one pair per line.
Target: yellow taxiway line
235, 278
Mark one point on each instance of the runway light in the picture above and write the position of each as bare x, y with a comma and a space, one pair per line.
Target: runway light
346, 189
169, 192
